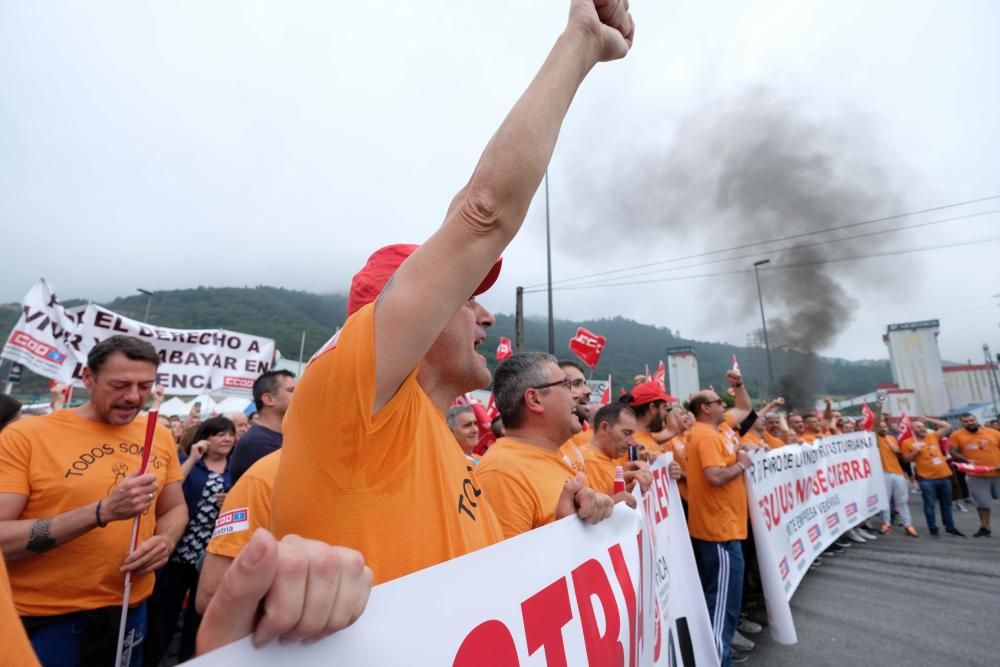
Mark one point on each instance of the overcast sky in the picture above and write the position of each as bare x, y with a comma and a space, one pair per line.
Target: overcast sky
170, 145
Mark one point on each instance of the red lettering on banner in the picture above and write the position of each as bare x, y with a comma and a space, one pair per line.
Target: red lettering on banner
821, 480
590, 581
640, 612
625, 581
662, 494
866, 465
545, 613
856, 469
490, 644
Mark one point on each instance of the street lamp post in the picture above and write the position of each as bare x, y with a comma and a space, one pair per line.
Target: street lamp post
149, 302
763, 324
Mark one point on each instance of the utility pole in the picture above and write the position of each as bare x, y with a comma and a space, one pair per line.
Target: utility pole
519, 320
763, 324
548, 257
302, 349
991, 371
149, 302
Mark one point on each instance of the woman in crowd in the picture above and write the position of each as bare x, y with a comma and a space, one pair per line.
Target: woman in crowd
206, 482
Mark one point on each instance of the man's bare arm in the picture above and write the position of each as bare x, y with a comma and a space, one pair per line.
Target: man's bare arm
742, 405
487, 213
213, 569
25, 537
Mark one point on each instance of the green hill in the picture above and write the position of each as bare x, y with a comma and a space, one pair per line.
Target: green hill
284, 314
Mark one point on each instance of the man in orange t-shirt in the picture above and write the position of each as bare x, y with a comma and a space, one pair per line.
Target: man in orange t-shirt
717, 519
574, 447
650, 404
812, 428
369, 461
933, 471
614, 428
247, 507
525, 475
774, 436
978, 446
69, 488
897, 489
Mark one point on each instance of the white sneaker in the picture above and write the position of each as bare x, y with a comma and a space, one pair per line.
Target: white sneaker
871, 537
854, 536
742, 643
961, 507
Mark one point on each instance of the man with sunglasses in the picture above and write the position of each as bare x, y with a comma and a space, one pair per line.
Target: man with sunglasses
717, 520
528, 480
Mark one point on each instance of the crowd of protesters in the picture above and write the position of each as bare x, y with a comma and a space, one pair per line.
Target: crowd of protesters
280, 528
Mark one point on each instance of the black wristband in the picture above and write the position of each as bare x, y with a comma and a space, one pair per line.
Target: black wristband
97, 512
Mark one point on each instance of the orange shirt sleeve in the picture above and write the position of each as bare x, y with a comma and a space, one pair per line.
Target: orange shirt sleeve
251, 494
15, 460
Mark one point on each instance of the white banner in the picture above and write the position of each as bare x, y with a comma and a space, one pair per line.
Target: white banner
802, 498
563, 594
53, 341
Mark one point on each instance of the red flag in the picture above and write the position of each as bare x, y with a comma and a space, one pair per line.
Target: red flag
484, 420
606, 394
587, 345
905, 428
491, 408
736, 364
504, 349
660, 375
867, 418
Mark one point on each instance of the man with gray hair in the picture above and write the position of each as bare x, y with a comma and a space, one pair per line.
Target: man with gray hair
525, 476
462, 422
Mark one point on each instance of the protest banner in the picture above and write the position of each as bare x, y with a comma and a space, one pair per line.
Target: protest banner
623, 592
53, 341
801, 498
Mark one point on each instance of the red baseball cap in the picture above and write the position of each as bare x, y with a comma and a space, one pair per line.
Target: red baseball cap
368, 283
647, 392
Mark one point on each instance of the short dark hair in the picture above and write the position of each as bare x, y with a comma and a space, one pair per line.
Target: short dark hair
268, 384
133, 348
10, 407
214, 426
966, 414
697, 402
514, 376
612, 413
569, 363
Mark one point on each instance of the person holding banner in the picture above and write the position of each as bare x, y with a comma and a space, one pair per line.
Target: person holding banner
717, 503
979, 448
369, 461
897, 490
525, 475
614, 428
68, 494
923, 449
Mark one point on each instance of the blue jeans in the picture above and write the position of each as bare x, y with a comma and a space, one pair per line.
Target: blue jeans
87, 637
940, 490
720, 567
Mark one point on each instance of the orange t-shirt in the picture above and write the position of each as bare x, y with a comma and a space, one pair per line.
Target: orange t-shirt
573, 454
15, 649
773, 442
930, 462
582, 438
647, 442
751, 438
395, 485
715, 513
890, 462
247, 508
63, 461
983, 447
600, 470
523, 483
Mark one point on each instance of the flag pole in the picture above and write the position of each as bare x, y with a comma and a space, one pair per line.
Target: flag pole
133, 543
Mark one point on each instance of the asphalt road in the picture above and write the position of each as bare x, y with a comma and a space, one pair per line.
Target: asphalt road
899, 601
